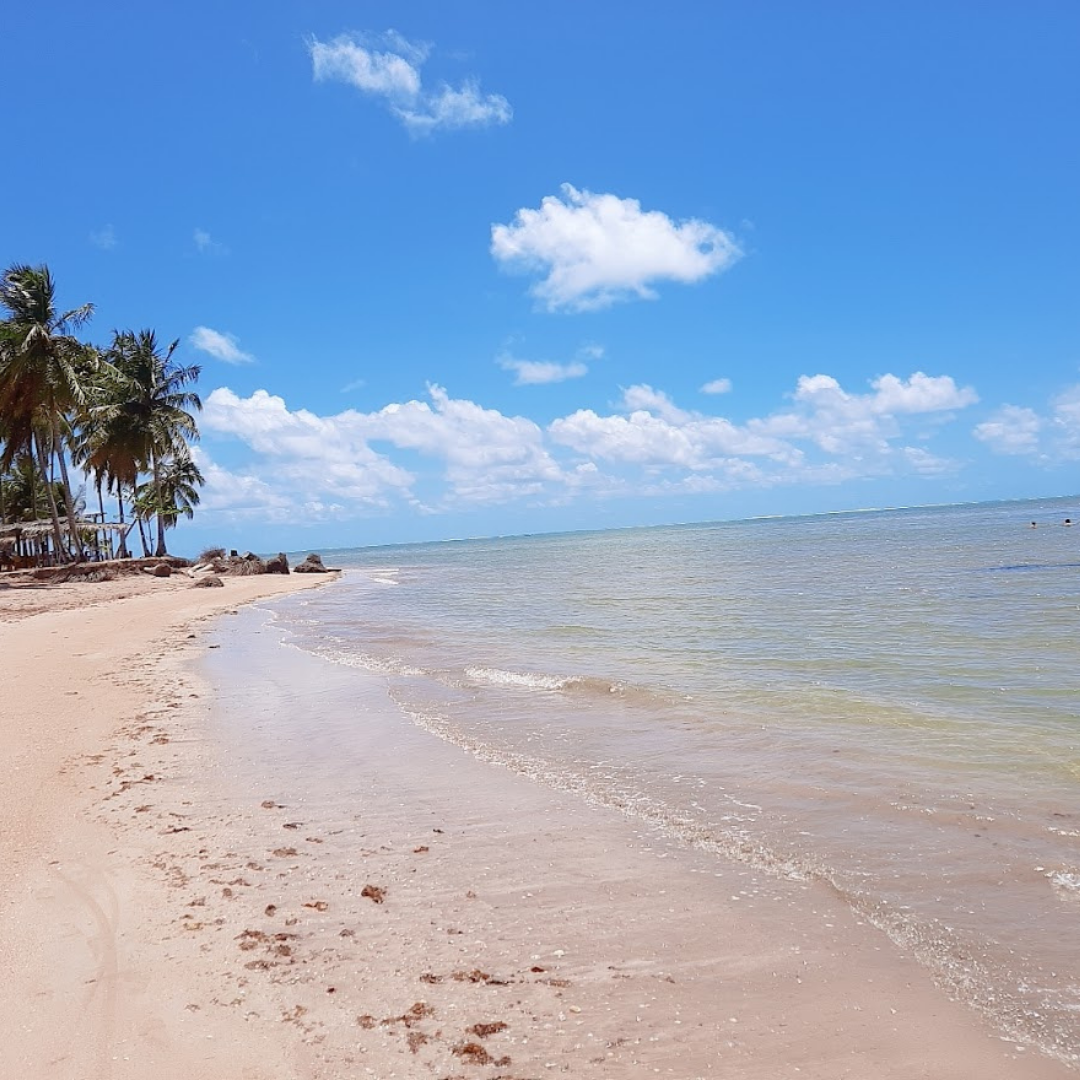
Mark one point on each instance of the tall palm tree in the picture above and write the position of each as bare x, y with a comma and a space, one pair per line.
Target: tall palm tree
108, 442
145, 418
42, 376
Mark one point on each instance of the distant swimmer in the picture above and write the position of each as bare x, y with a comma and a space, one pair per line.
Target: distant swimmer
1034, 525
1068, 521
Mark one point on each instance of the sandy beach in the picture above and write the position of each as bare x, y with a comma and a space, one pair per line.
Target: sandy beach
206, 877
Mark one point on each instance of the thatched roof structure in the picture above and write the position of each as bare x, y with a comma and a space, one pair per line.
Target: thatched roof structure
33, 529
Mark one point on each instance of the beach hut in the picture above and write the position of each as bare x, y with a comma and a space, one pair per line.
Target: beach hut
30, 544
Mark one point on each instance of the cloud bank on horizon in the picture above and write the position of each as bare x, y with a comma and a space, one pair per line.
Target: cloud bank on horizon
343, 464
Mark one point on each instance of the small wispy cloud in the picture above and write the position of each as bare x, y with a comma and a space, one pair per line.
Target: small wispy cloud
717, 386
354, 384
388, 67
221, 346
205, 244
541, 372
104, 238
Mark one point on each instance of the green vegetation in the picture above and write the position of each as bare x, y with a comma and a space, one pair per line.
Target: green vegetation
122, 415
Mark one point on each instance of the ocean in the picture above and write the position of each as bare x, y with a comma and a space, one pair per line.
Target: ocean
886, 702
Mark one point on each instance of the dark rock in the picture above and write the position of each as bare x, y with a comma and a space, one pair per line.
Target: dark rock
162, 570
313, 564
279, 564
210, 581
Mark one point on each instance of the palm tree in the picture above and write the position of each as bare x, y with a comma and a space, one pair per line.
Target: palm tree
143, 419
108, 442
176, 493
42, 377
23, 495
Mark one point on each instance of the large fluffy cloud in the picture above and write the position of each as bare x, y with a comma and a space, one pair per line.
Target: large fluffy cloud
389, 69
597, 249
486, 456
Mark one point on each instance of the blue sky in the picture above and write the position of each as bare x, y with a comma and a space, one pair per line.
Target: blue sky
475, 268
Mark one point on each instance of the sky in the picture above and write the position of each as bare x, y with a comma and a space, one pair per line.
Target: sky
475, 268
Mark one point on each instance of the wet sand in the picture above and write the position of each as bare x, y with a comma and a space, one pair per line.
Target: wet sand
220, 870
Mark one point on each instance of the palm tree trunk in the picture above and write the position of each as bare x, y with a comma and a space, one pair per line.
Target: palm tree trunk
69, 499
104, 536
142, 535
123, 553
58, 536
160, 517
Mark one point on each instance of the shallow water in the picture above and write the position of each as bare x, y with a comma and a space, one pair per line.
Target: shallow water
886, 701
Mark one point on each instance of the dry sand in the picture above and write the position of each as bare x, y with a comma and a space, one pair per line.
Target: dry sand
251, 888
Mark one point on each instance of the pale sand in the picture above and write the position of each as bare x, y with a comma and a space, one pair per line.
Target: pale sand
183, 892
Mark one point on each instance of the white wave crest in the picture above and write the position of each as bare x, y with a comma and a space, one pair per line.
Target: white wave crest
525, 680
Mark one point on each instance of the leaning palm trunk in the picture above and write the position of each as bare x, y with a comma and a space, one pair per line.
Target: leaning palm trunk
142, 535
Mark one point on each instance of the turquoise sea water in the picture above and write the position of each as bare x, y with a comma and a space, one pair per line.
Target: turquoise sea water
885, 701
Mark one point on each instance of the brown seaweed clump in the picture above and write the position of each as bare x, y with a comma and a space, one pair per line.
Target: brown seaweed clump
472, 1053
482, 1031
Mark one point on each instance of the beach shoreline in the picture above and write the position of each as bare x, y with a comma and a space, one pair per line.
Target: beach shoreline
214, 873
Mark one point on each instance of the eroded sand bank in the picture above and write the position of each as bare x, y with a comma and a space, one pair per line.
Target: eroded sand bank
270, 884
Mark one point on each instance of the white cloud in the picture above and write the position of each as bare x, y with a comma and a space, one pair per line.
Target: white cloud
326, 459
676, 439
205, 244
461, 453
239, 495
486, 456
450, 108
1049, 437
717, 386
860, 429
104, 238
1011, 430
225, 347
842, 423
920, 394
599, 249
1066, 421
927, 464
389, 69
644, 398
540, 372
